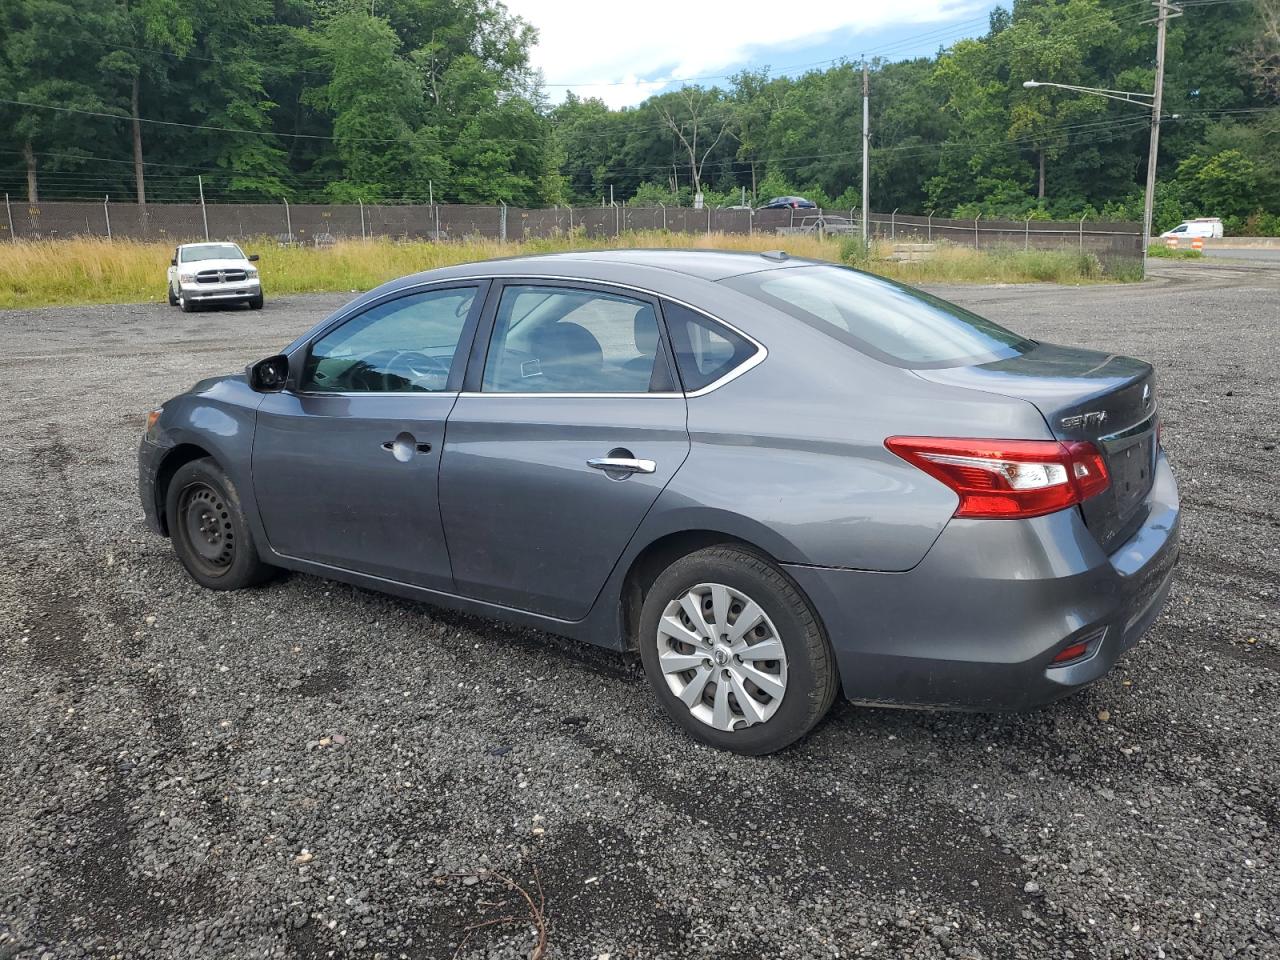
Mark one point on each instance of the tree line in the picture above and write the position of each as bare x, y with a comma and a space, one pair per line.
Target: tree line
419, 100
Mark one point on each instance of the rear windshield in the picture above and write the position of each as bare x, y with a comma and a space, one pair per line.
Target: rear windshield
893, 323
211, 251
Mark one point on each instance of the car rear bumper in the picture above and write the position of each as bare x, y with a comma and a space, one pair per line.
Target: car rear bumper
977, 623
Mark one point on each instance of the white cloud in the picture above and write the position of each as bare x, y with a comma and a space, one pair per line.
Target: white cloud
622, 53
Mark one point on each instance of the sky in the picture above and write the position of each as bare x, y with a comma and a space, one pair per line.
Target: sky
623, 53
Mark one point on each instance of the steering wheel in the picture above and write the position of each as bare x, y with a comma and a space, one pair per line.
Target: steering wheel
415, 367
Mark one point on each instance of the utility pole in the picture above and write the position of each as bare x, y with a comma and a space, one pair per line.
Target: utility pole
1162, 23
139, 176
866, 145
204, 215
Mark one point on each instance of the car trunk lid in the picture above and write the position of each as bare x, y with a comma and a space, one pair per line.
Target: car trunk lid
1106, 399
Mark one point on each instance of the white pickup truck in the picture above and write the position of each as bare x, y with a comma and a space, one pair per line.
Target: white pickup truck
201, 273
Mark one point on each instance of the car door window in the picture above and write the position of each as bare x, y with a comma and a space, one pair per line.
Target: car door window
705, 351
405, 345
561, 340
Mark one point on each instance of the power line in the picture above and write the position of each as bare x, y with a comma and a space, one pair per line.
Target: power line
1071, 130
330, 138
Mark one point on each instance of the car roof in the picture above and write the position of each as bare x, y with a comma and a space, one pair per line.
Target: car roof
209, 243
702, 264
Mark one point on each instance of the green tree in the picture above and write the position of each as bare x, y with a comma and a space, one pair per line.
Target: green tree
1224, 185
375, 98
47, 53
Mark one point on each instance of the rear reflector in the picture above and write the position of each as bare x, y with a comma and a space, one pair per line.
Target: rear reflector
1081, 649
1073, 652
1008, 479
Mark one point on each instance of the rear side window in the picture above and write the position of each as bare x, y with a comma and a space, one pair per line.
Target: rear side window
886, 320
705, 350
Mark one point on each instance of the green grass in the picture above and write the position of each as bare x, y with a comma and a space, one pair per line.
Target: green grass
962, 265
65, 272
1170, 253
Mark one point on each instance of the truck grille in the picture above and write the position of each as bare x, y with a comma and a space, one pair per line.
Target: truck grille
220, 276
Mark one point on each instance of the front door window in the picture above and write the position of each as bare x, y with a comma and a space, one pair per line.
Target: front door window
406, 345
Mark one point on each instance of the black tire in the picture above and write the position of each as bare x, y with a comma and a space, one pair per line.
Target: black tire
173, 297
255, 303
208, 528
188, 306
811, 676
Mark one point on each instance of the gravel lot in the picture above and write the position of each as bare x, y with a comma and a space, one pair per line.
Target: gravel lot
312, 770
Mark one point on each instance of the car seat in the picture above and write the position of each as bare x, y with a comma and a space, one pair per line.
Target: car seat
569, 357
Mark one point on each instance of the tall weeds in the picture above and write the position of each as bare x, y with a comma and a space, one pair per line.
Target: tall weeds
54, 272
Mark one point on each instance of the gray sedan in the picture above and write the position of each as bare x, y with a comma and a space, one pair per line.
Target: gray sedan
775, 479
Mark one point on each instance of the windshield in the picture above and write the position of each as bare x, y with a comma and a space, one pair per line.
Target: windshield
211, 251
886, 320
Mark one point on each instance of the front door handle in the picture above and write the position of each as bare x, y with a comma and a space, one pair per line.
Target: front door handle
404, 446
622, 465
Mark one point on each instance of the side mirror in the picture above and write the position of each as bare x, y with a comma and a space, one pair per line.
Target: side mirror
253, 258
269, 375
173, 262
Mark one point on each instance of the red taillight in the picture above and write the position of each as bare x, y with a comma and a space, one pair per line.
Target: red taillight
1008, 479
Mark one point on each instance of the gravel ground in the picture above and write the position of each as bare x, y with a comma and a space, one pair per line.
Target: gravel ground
313, 770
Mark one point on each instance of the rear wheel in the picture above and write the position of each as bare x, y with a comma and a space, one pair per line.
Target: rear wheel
734, 652
209, 531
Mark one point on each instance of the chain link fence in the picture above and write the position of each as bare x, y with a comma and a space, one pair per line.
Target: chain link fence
322, 223
1105, 239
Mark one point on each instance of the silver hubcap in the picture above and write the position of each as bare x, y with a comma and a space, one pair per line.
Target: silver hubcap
722, 656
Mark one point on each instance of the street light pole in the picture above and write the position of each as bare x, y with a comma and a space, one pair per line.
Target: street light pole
866, 147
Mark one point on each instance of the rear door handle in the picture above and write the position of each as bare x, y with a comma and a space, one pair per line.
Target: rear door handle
622, 465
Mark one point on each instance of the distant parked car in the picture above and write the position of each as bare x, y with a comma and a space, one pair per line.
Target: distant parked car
208, 273
1199, 227
851, 487
790, 203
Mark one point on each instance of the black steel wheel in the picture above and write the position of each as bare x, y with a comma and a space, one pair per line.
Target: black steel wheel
209, 531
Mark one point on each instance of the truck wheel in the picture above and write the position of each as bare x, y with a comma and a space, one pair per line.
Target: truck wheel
173, 297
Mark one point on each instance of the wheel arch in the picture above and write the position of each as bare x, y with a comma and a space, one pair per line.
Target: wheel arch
174, 460
665, 550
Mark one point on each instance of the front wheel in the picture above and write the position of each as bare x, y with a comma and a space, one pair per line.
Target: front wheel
173, 297
209, 531
188, 306
734, 652
255, 302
